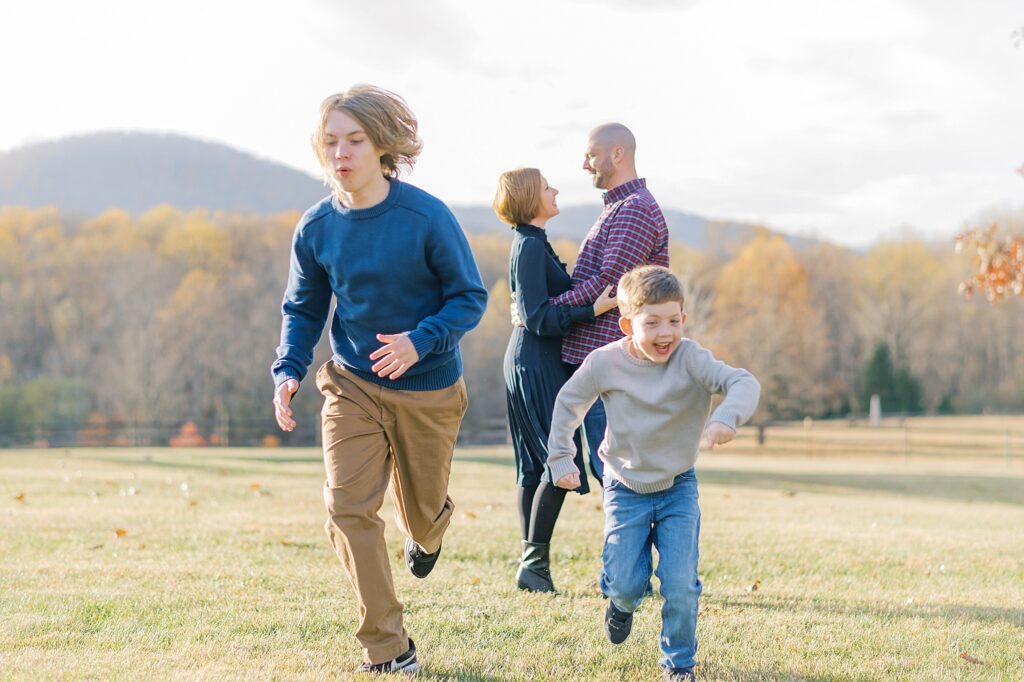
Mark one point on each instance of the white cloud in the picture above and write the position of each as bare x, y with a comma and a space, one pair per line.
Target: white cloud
845, 118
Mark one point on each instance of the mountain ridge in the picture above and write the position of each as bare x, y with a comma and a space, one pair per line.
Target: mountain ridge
136, 171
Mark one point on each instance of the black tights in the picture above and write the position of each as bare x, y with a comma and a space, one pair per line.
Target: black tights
539, 506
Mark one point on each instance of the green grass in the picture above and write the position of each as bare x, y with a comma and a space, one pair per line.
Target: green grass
869, 569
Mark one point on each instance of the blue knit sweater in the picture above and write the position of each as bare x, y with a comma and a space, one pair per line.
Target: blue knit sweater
403, 265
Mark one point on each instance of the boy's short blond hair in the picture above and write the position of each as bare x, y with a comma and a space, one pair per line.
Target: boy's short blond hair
517, 200
387, 120
647, 285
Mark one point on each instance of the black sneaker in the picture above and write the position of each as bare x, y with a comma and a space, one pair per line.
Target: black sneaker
679, 675
419, 562
617, 623
406, 663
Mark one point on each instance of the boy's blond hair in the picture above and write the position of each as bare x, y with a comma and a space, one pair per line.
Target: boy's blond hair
648, 284
387, 120
517, 200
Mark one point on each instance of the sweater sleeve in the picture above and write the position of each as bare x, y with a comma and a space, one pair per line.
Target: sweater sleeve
740, 388
571, 406
529, 278
464, 297
307, 300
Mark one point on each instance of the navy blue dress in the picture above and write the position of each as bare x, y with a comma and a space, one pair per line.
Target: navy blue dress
533, 367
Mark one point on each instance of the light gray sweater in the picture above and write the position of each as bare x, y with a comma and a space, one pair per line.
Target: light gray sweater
656, 412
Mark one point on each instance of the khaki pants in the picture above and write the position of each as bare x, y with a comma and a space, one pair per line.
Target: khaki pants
373, 435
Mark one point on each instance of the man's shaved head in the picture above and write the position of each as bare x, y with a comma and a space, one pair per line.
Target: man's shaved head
611, 155
614, 135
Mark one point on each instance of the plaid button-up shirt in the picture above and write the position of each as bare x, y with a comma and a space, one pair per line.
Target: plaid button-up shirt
630, 232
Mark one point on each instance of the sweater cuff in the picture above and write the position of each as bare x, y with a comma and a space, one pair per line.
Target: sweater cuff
422, 342
583, 313
561, 467
728, 418
281, 377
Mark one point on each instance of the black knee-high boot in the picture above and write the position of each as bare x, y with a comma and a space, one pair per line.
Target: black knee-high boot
535, 567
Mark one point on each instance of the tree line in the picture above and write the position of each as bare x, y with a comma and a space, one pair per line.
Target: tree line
172, 317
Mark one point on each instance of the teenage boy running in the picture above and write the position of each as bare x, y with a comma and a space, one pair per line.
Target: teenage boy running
407, 290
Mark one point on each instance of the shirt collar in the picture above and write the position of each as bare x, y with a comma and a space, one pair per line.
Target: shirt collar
531, 230
624, 190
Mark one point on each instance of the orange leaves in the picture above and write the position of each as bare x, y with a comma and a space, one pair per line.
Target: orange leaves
754, 586
20, 497
120, 532
970, 659
999, 264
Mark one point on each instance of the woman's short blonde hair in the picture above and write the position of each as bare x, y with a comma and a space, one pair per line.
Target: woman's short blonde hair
517, 200
387, 120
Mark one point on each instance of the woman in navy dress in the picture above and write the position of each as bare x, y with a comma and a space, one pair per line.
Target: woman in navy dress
533, 367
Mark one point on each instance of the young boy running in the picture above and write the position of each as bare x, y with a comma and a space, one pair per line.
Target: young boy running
407, 289
657, 388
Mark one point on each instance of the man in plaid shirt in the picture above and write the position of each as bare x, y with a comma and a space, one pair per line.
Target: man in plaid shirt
630, 232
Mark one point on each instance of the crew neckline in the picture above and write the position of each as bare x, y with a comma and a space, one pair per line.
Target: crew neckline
394, 190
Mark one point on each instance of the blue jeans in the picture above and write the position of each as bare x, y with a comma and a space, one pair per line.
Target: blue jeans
594, 425
668, 521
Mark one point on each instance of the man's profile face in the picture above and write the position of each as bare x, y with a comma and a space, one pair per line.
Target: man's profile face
598, 162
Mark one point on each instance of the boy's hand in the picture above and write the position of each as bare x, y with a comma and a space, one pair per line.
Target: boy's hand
569, 481
282, 398
396, 355
719, 434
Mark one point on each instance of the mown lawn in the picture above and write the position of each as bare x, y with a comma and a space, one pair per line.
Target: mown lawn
864, 569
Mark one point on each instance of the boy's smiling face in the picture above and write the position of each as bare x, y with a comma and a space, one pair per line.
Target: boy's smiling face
655, 330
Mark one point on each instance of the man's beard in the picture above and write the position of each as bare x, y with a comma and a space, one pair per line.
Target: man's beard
601, 175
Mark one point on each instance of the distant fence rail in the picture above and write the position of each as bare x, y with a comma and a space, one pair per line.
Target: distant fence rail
923, 436
918, 436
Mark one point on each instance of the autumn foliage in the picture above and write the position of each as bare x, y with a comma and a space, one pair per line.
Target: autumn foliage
123, 329
999, 264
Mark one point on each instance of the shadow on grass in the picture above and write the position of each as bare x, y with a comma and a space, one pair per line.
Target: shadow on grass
1007, 490
484, 459
988, 614
216, 464
426, 673
715, 672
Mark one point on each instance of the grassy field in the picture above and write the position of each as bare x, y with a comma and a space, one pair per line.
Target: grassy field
212, 564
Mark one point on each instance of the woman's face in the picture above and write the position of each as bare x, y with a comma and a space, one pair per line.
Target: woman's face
548, 202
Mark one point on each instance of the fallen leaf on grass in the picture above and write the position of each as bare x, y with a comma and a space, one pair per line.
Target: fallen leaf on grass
193, 503
789, 493
970, 659
400, 554
468, 515
20, 497
254, 486
754, 586
474, 581
120, 532
95, 547
287, 543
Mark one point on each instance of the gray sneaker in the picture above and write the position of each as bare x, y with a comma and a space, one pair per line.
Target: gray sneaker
406, 663
617, 623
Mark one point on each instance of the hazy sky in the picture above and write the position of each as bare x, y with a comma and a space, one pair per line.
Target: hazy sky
847, 120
